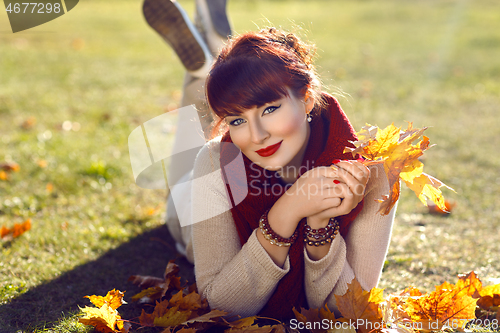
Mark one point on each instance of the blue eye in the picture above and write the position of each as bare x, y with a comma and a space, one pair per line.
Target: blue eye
270, 109
236, 122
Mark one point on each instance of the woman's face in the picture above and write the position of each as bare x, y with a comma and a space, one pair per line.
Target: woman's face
274, 135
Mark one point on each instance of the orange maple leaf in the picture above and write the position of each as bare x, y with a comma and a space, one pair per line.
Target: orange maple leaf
394, 148
468, 284
358, 304
448, 304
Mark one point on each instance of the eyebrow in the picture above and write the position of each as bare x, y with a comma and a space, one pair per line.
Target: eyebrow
233, 115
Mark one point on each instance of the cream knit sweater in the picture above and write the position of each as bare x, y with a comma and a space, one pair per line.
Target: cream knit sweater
240, 279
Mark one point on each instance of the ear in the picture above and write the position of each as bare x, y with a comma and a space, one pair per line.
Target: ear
309, 101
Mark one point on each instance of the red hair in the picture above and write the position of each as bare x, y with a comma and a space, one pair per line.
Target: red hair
256, 68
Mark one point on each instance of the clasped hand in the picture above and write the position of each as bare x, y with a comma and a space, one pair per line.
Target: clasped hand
325, 192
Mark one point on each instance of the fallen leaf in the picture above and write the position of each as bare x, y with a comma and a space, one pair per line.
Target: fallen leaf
147, 319
103, 319
114, 299
448, 303
186, 330
148, 295
206, 318
251, 329
17, 230
489, 297
309, 318
170, 282
357, 303
10, 166
28, 123
243, 322
172, 317
468, 284
191, 301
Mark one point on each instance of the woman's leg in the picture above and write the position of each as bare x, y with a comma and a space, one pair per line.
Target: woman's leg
169, 20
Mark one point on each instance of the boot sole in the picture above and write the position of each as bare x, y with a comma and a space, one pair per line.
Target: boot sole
170, 22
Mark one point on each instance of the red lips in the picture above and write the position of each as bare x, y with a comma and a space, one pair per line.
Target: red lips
268, 151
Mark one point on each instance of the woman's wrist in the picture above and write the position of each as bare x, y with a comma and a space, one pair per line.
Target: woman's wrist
317, 222
283, 218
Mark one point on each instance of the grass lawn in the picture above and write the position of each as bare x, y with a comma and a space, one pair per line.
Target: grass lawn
72, 90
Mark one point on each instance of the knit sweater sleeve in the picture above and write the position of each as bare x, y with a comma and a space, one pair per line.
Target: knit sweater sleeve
361, 254
233, 278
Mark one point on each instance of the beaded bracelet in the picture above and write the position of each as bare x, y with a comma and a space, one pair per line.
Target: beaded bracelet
322, 235
271, 236
321, 232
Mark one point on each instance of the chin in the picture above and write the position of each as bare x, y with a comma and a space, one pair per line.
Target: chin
273, 168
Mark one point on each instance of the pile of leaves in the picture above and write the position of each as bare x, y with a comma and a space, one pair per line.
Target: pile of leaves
393, 147
177, 308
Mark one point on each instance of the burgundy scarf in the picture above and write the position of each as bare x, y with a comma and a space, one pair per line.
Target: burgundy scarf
329, 135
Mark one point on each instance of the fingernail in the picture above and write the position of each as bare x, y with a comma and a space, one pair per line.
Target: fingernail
335, 181
361, 160
335, 161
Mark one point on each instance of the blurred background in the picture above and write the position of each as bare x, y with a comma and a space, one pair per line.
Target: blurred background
73, 89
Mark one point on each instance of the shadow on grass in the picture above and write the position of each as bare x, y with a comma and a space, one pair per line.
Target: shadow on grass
44, 305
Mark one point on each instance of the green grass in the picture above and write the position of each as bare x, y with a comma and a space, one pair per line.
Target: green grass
431, 62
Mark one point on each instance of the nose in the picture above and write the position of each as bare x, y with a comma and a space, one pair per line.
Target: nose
258, 133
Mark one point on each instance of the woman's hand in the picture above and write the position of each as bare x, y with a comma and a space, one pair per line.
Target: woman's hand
343, 190
355, 175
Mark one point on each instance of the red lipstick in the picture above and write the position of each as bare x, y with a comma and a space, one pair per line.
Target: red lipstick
268, 151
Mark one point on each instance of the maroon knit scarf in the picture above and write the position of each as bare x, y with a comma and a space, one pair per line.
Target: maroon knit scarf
330, 134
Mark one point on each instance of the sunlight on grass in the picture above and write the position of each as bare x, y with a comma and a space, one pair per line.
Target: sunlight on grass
73, 89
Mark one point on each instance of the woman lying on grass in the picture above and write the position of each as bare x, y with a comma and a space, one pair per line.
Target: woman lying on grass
281, 228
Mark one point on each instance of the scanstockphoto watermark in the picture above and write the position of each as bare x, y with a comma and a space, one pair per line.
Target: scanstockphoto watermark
349, 324
328, 324
25, 15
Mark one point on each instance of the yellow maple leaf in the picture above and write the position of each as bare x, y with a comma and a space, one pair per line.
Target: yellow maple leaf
400, 157
113, 299
358, 304
103, 319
